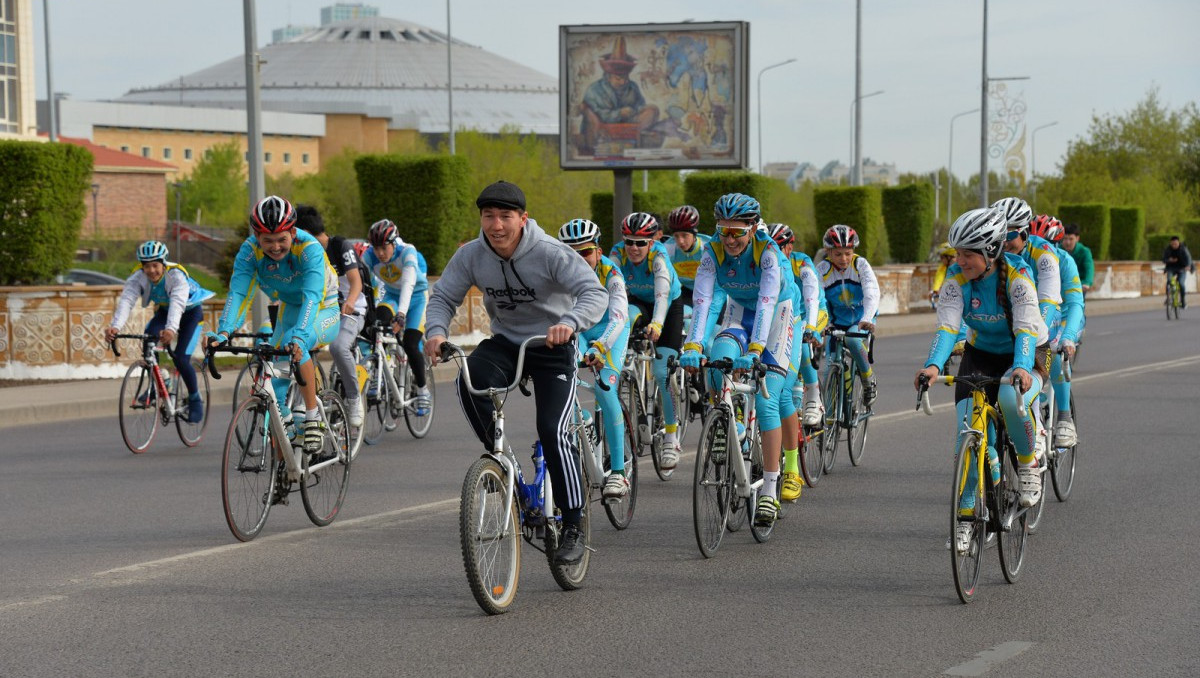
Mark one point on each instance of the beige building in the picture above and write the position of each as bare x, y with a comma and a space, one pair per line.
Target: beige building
18, 118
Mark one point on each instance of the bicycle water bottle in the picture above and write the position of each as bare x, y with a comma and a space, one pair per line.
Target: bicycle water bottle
993, 464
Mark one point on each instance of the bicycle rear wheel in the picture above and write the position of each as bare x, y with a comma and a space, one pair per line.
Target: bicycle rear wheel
1062, 469
856, 437
326, 474
356, 434
570, 577
832, 394
248, 470
712, 487
489, 536
966, 564
1012, 541
620, 513
191, 433
137, 408
378, 408
418, 424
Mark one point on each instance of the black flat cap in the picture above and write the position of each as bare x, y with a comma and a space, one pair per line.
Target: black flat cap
502, 194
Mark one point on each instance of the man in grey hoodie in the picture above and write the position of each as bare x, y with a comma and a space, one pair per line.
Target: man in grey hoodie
532, 284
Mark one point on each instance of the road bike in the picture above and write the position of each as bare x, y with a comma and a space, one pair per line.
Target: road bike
497, 506
844, 406
149, 396
241, 385
810, 451
985, 449
725, 494
593, 450
388, 387
1060, 461
263, 461
1172, 301
638, 393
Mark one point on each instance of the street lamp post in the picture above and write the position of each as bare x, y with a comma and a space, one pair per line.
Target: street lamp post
855, 130
178, 185
760, 75
95, 211
950, 162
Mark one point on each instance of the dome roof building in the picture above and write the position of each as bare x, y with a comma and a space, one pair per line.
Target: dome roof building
381, 68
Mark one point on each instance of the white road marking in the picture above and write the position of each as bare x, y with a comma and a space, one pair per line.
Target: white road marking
987, 659
146, 568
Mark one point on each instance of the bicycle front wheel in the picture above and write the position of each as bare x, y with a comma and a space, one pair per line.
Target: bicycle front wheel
712, 486
620, 513
248, 470
191, 433
138, 408
1062, 469
811, 463
326, 474
856, 437
489, 536
832, 394
677, 385
966, 564
418, 424
242, 387
1012, 541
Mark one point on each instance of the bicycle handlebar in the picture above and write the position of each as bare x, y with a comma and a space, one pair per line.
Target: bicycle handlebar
260, 350
758, 373
450, 350
144, 338
596, 374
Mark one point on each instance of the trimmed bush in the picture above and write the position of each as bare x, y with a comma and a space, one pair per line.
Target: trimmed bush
702, 189
1128, 232
602, 213
1191, 233
1095, 230
1157, 242
908, 216
428, 196
42, 189
860, 208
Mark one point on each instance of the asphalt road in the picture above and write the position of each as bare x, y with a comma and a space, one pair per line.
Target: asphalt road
121, 565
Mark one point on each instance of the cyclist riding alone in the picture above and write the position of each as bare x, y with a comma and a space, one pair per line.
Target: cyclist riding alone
810, 319
654, 295
606, 342
1176, 261
532, 284
290, 267
1065, 333
353, 301
852, 292
403, 272
757, 325
178, 311
994, 293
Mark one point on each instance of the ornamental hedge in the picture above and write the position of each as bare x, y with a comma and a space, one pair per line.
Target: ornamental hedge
1191, 232
42, 189
428, 196
1094, 227
908, 216
859, 207
702, 189
1156, 243
1128, 233
602, 213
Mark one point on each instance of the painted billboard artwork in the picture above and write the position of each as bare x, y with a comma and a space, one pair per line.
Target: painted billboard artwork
653, 98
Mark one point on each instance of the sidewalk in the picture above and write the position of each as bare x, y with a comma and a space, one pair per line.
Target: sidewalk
39, 404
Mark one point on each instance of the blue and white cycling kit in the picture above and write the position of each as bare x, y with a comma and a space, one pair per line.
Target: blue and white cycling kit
853, 296
608, 339
405, 282
1043, 260
686, 262
1070, 325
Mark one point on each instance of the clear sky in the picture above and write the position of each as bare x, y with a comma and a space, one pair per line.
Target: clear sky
1082, 57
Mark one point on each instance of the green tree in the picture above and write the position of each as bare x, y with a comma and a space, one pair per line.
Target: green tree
216, 192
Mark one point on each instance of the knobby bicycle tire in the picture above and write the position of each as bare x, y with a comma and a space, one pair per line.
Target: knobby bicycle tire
489, 537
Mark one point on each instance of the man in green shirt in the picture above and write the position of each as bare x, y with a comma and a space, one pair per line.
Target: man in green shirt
1080, 253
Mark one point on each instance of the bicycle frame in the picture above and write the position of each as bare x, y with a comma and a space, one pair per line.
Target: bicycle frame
732, 390
845, 361
165, 400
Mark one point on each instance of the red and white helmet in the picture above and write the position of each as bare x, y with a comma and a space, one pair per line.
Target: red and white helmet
840, 235
639, 225
684, 219
1046, 226
273, 214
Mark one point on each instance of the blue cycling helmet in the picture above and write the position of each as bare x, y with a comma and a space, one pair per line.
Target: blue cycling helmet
579, 232
738, 207
152, 250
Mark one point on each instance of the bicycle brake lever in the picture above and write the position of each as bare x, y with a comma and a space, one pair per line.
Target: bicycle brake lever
113, 345
523, 386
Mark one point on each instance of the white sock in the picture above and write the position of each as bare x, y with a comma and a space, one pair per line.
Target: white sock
669, 438
770, 480
312, 415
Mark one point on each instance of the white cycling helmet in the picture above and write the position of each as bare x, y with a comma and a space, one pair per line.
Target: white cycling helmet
981, 230
1016, 211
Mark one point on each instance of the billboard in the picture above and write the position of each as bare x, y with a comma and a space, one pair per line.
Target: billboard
654, 96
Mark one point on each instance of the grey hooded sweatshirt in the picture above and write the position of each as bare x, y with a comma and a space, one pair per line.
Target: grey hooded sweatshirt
543, 284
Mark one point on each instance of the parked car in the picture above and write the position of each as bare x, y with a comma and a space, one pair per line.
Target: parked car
82, 276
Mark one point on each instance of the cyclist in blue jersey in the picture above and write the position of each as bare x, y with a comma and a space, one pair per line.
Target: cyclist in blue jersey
290, 266
994, 293
178, 300
654, 302
811, 318
685, 249
402, 270
757, 326
852, 292
1064, 334
605, 344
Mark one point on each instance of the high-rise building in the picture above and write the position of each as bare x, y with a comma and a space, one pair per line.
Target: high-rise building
18, 114
346, 11
288, 32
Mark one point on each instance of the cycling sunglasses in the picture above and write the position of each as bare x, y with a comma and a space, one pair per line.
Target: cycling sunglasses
584, 251
637, 243
732, 232
1012, 235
